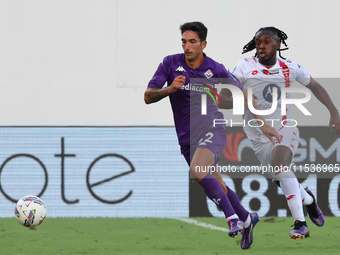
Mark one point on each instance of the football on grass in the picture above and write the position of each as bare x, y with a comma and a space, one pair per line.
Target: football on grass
30, 211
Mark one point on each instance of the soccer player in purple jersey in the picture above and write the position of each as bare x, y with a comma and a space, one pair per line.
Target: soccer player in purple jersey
188, 76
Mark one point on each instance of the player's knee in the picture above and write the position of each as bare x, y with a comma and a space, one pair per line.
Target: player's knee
198, 171
279, 163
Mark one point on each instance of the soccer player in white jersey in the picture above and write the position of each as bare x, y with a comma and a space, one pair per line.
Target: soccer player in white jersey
264, 73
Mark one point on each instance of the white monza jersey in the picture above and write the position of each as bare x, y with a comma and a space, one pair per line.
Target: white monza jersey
262, 80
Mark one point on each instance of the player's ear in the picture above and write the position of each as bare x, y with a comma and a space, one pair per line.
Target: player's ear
278, 44
204, 44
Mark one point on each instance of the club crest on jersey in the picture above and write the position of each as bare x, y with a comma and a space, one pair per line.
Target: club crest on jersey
208, 74
267, 92
180, 69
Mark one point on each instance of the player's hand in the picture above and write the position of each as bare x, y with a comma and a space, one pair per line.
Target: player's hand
335, 120
177, 83
270, 132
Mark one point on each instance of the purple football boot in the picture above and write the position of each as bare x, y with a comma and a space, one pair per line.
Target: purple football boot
314, 212
247, 234
235, 227
300, 230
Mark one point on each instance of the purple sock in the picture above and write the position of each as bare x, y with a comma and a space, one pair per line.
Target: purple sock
236, 204
216, 193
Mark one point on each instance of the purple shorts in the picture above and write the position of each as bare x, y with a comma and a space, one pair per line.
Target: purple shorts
215, 139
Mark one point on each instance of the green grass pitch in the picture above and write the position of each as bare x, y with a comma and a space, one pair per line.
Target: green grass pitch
161, 236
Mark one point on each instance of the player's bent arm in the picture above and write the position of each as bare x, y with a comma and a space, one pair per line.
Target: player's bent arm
267, 130
153, 95
226, 99
322, 95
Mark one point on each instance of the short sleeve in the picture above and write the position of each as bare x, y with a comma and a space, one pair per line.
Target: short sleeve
302, 75
160, 77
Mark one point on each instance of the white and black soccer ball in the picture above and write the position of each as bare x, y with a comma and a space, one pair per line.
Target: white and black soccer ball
30, 211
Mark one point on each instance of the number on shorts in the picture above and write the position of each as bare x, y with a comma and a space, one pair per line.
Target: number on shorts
203, 141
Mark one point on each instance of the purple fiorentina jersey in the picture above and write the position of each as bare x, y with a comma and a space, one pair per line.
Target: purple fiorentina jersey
186, 103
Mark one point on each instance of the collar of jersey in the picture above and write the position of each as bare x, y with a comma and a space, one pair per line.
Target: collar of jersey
263, 67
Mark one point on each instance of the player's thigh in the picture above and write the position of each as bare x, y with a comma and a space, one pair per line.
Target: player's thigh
284, 151
263, 151
281, 156
201, 162
208, 150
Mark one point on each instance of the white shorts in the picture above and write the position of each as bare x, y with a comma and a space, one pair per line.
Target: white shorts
290, 137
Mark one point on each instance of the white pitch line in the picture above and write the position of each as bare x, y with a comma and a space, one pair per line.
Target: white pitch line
202, 224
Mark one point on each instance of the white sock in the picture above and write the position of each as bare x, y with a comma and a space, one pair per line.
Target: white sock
306, 198
247, 222
291, 189
234, 216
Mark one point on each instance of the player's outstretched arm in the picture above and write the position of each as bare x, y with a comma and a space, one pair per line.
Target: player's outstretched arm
322, 95
153, 95
268, 131
226, 98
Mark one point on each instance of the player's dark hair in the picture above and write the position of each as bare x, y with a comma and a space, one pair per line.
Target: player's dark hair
280, 36
195, 26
